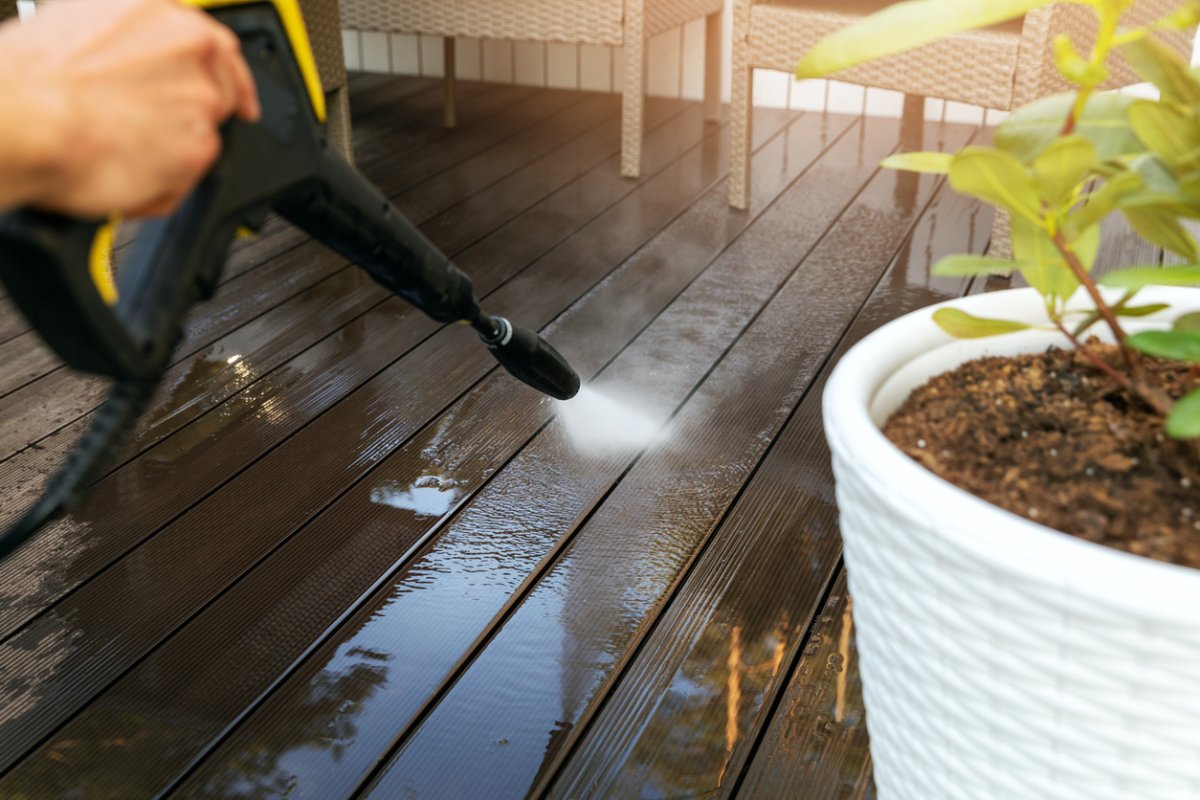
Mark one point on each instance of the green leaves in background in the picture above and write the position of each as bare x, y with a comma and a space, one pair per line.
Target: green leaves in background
970, 265
1188, 322
1162, 66
1100, 202
1161, 226
1171, 133
937, 163
1031, 129
1139, 311
1140, 277
1180, 345
998, 178
903, 26
1184, 422
1074, 67
962, 325
1174, 344
1062, 166
1043, 265
1182, 18
1121, 309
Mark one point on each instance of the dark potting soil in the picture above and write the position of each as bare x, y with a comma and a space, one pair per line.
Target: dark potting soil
1050, 437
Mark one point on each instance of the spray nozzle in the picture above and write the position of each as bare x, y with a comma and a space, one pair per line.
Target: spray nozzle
530, 358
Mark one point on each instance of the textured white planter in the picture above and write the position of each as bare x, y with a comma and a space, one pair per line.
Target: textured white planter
1000, 658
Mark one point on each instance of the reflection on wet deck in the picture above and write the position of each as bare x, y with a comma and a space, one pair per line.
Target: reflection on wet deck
344, 556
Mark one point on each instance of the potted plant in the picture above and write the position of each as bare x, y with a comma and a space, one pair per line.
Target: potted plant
1002, 657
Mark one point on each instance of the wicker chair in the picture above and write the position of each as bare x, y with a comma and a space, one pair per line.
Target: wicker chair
628, 23
1002, 67
325, 32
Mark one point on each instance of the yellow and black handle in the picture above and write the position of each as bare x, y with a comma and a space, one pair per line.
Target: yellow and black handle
56, 272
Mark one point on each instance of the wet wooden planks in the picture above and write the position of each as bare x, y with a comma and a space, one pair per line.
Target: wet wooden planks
816, 742
678, 488
367, 563
598, 195
564, 495
185, 562
752, 585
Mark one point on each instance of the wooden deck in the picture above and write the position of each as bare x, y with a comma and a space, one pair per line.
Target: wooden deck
344, 555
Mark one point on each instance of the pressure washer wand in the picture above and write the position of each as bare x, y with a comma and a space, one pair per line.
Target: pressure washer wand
528, 357
347, 213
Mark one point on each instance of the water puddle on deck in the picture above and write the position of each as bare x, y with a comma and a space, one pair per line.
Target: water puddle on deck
597, 423
428, 496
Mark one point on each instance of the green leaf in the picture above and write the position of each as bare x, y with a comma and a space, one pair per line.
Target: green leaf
1104, 123
1176, 345
1139, 277
1184, 421
1188, 322
1101, 202
902, 26
1074, 67
1189, 194
938, 163
967, 264
1154, 174
1176, 204
1062, 166
998, 178
1140, 311
1182, 18
962, 325
1162, 66
1162, 227
1041, 263
1168, 132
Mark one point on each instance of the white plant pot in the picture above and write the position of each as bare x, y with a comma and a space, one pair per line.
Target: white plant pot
1000, 658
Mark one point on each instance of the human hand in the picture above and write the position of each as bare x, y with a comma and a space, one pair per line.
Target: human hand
126, 98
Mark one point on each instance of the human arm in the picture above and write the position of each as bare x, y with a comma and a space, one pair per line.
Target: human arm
114, 107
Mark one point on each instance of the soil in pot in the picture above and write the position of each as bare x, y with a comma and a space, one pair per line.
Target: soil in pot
1052, 438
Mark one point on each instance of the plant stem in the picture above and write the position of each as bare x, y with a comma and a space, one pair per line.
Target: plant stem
1152, 395
1104, 42
1085, 280
1138, 384
1095, 360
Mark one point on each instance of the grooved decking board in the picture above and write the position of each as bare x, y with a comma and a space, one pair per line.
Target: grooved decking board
816, 745
468, 446
570, 485
11, 322
183, 569
763, 573
603, 585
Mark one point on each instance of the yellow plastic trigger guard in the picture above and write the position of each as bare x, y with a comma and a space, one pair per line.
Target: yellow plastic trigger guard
100, 261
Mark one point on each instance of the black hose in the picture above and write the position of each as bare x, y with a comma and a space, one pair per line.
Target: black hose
120, 410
